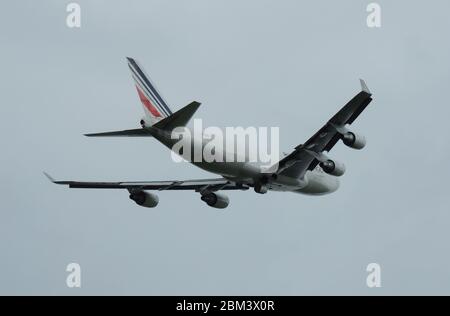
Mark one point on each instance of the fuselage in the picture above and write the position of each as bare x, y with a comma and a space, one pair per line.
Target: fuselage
240, 169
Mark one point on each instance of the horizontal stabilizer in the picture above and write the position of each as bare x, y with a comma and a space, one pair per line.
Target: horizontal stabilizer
139, 132
179, 118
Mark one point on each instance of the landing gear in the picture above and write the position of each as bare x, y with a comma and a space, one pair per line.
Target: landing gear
261, 188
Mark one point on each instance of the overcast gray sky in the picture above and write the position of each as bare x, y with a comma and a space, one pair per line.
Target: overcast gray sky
290, 64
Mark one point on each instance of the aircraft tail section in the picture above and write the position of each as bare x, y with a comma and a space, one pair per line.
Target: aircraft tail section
157, 112
155, 108
177, 119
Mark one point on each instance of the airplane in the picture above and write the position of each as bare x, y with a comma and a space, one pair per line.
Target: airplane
307, 169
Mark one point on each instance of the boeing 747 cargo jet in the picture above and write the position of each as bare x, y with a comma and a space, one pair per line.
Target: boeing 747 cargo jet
307, 169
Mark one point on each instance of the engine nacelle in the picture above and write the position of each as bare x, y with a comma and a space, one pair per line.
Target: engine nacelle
216, 200
353, 140
144, 199
334, 168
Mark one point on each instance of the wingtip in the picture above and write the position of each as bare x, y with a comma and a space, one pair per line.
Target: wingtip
364, 86
131, 60
48, 177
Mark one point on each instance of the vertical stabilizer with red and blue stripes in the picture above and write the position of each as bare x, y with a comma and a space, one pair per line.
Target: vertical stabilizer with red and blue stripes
155, 107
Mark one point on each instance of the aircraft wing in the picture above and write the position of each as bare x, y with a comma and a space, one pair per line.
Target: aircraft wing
308, 155
196, 185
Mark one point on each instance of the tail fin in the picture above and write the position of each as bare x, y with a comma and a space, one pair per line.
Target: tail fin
155, 107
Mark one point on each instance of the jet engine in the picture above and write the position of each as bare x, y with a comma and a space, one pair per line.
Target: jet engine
216, 200
353, 140
144, 199
334, 168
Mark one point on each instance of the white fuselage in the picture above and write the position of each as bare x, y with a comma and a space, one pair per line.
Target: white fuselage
315, 182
